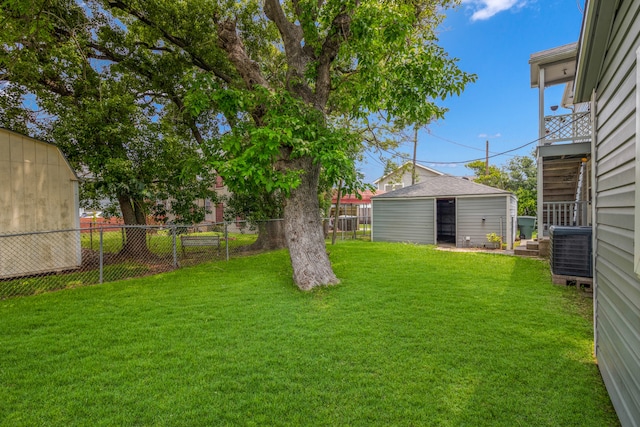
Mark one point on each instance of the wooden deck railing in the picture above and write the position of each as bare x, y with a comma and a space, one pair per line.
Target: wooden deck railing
574, 127
569, 214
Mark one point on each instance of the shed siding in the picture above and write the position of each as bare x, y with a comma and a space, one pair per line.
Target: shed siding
471, 210
396, 220
40, 194
617, 294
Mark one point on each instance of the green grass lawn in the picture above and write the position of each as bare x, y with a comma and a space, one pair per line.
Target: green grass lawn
411, 337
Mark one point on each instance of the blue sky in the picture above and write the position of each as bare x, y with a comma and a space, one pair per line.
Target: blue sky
493, 39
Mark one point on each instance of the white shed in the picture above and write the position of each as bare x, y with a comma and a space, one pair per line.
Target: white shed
445, 209
39, 193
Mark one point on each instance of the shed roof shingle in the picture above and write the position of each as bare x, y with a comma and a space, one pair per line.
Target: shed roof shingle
442, 186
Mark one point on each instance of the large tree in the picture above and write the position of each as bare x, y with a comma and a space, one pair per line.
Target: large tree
283, 72
284, 76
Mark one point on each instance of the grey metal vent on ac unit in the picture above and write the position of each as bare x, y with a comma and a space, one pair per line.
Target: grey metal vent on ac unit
571, 251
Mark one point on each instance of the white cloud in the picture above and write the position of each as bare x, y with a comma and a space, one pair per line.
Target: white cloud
485, 135
485, 9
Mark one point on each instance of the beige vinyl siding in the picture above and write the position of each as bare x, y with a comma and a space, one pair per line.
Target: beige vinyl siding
617, 293
396, 220
41, 188
471, 210
40, 194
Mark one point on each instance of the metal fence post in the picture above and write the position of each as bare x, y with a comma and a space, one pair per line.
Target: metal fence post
226, 238
175, 252
101, 256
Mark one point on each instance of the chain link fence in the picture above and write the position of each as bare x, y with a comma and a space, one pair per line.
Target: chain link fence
37, 262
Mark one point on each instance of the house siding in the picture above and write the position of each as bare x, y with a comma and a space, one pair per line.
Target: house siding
471, 210
402, 177
617, 290
404, 220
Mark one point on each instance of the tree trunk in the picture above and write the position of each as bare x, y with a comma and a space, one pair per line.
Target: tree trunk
270, 237
135, 244
303, 231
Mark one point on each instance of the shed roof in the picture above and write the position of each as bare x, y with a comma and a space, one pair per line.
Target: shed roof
39, 141
443, 186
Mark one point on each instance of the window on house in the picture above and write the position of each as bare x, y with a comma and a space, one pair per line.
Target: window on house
391, 187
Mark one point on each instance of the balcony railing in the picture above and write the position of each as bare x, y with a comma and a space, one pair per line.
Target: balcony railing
575, 127
568, 214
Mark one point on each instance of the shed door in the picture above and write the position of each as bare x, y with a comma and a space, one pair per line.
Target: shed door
446, 220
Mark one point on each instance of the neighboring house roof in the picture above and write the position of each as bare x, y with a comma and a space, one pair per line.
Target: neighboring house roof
352, 199
443, 186
418, 166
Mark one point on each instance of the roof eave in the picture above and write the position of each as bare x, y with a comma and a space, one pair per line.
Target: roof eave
563, 56
594, 39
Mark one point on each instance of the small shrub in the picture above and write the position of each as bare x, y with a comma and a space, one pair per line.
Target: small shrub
495, 239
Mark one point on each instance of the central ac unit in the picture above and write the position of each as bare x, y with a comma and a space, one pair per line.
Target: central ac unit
571, 251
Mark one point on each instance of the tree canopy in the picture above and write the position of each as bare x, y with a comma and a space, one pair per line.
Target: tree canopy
65, 81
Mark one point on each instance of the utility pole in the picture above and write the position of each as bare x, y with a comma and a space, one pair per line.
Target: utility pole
486, 162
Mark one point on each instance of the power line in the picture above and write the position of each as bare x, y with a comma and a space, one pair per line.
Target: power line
396, 154
453, 142
461, 145
507, 151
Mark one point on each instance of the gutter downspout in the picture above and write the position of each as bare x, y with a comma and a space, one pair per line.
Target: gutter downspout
594, 222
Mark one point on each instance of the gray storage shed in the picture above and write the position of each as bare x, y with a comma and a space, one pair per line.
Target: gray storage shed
445, 209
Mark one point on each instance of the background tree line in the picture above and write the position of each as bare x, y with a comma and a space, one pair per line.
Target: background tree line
519, 176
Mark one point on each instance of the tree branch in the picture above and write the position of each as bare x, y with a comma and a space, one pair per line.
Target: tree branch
191, 122
340, 31
179, 42
298, 58
154, 48
248, 69
170, 93
56, 86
